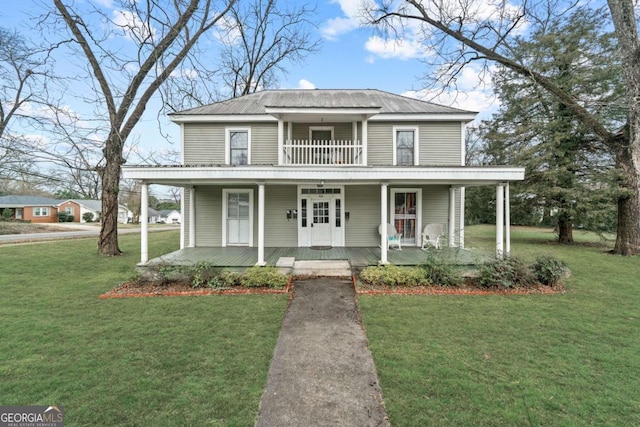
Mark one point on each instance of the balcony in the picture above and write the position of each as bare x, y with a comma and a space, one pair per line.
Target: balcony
299, 152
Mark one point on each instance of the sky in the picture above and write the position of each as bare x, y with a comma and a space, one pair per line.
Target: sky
350, 56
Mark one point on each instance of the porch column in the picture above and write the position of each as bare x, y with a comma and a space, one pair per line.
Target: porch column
280, 140
499, 220
354, 126
461, 231
365, 131
261, 224
192, 217
452, 216
507, 220
144, 223
183, 194
383, 223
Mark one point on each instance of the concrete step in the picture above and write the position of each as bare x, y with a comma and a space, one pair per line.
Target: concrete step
322, 268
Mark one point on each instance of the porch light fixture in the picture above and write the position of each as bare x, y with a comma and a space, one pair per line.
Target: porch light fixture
321, 184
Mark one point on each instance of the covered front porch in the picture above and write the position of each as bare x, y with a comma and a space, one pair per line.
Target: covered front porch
358, 257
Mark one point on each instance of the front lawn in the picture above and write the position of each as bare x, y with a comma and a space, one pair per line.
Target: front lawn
554, 360
135, 362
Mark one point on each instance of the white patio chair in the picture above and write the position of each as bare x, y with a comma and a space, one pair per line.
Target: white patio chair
393, 237
431, 235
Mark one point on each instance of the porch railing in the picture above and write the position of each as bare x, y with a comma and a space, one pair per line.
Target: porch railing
331, 152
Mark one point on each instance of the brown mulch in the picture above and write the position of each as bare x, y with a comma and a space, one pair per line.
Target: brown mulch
128, 290
465, 289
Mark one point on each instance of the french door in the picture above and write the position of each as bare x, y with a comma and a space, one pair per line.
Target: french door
406, 213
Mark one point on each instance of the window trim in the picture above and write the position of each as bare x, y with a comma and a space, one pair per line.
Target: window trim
227, 143
225, 201
37, 211
416, 139
312, 128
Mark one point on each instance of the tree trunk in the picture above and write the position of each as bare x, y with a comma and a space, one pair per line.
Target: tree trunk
628, 237
565, 230
108, 243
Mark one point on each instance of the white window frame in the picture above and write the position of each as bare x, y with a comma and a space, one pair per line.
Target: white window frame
41, 211
69, 210
312, 128
392, 203
416, 139
227, 143
225, 199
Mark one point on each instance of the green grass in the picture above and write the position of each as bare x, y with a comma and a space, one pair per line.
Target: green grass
554, 360
135, 362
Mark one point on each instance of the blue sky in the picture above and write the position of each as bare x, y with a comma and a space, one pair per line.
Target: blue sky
350, 57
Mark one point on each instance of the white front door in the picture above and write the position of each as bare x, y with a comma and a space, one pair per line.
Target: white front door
320, 222
237, 217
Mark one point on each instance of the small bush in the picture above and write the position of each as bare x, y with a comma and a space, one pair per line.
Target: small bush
226, 279
270, 277
63, 217
510, 272
203, 274
393, 275
441, 272
6, 214
549, 271
87, 217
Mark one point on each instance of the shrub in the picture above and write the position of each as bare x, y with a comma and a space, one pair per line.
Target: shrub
392, 275
549, 271
225, 279
87, 217
63, 217
440, 272
6, 214
203, 273
510, 272
270, 277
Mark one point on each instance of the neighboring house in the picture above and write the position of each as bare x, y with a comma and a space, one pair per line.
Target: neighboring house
319, 168
45, 209
36, 209
164, 216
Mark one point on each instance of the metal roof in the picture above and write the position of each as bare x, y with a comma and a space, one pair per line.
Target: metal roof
258, 102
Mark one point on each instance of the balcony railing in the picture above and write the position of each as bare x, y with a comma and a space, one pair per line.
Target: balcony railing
330, 153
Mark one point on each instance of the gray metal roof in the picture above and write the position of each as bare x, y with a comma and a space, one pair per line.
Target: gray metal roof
19, 200
94, 205
256, 103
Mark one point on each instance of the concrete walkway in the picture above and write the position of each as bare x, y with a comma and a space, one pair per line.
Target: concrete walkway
322, 373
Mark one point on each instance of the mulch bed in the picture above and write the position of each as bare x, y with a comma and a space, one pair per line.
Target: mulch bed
128, 290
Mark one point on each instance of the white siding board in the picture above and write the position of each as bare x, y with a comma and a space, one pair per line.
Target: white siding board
363, 204
280, 232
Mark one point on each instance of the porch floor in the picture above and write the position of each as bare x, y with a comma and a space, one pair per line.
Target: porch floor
358, 257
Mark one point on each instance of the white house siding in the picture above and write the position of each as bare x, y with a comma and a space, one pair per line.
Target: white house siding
203, 143
264, 143
363, 204
278, 231
208, 216
440, 144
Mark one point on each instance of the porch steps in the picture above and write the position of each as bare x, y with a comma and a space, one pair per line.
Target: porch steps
317, 268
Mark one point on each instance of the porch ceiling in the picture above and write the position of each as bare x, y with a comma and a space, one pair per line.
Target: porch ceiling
204, 175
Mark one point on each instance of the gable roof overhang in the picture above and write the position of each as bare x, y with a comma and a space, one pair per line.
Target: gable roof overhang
187, 176
320, 115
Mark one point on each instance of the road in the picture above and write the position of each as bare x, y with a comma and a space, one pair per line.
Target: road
76, 232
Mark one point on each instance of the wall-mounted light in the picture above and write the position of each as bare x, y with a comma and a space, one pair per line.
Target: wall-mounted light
291, 214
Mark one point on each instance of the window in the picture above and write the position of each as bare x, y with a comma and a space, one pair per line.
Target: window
406, 208
69, 210
40, 211
238, 147
405, 146
238, 217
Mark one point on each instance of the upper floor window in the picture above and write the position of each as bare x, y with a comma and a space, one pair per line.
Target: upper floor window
238, 146
405, 146
40, 211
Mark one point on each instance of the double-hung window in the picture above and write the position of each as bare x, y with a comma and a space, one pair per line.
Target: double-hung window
238, 147
405, 146
40, 211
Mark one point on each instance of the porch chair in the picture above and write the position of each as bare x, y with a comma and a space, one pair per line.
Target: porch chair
393, 237
431, 235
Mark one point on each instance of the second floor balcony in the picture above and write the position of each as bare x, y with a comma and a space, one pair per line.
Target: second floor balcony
299, 152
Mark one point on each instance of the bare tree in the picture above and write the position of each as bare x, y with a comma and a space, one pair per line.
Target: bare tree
474, 31
125, 80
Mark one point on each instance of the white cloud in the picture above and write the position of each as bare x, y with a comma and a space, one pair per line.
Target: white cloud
395, 48
131, 25
350, 21
305, 84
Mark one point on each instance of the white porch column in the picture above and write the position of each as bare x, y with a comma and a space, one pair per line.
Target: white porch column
507, 220
452, 217
461, 236
183, 194
499, 221
192, 217
365, 132
354, 132
280, 140
261, 224
383, 221
144, 223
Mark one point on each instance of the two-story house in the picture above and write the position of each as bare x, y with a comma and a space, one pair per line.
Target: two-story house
322, 168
